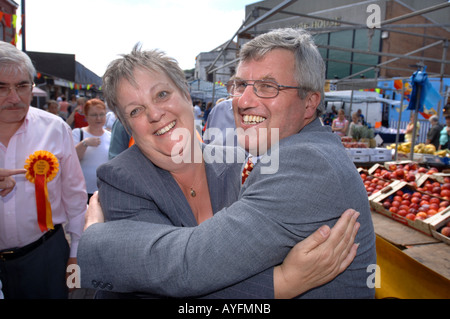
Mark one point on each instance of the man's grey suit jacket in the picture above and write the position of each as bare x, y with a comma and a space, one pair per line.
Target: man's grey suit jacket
315, 183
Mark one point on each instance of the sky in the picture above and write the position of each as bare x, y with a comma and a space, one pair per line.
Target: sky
98, 31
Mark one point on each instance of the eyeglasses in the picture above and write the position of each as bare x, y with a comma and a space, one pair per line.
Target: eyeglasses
262, 88
21, 89
97, 115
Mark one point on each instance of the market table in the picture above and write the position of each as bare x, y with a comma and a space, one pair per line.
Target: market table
412, 265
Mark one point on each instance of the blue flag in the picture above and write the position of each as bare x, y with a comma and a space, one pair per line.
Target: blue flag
428, 96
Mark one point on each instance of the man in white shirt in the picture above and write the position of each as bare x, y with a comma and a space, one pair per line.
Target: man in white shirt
34, 252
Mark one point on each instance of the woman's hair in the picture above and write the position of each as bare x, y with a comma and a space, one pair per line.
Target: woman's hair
310, 68
92, 103
124, 67
14, 60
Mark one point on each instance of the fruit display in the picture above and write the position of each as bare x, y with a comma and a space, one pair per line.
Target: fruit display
349, 142
408, 172
419, 148
372, 183
425, 148
355, 145
393, 190
346, 139
436, 189
413, 204
402, 147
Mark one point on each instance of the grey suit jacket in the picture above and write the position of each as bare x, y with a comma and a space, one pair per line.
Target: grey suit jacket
315, 183
132, 188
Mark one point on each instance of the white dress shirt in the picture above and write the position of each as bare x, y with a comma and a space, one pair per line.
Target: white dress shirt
67, 191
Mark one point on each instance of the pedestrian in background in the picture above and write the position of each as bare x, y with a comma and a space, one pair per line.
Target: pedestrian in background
92, 143
78, 119
435, 132
340, 124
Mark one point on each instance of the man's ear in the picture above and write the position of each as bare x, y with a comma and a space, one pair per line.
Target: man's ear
312, 102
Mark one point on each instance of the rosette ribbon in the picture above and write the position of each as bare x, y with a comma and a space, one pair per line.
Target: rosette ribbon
42, 167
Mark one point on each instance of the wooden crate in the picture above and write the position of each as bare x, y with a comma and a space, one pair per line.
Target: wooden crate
440, 177
376, 202
404, 162
437, 222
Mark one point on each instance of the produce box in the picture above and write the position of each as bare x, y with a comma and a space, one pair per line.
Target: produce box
408, 171
359, 151
382, 151
373, 169
360, 158
437, 225
424, 178
362, 170
430, 184
412, 208
380, 154
380, 158
442, 177
388, 165
372, 183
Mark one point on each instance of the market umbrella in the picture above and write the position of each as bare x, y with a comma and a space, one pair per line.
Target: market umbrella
39, 92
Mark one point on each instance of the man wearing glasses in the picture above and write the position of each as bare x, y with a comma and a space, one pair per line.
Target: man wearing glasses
277, 92
278, 89
34, 252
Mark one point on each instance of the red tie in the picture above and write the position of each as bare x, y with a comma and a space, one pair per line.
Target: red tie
247, 169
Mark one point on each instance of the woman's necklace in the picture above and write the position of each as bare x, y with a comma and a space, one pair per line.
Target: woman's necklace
191, 189
192, 192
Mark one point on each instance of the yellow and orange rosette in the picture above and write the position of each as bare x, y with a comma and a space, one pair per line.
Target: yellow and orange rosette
42, 167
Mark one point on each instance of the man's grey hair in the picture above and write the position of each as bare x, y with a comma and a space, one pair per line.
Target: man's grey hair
124, 67
12, 61
434, 119
310, 67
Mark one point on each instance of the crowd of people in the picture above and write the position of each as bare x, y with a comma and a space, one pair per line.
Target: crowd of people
192, 220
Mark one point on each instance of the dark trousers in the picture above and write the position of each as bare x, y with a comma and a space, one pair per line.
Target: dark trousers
40, 274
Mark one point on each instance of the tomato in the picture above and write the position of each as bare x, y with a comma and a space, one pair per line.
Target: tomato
393, 209
445, 193
435, 200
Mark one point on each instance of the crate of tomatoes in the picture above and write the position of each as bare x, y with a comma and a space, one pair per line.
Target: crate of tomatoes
409, 206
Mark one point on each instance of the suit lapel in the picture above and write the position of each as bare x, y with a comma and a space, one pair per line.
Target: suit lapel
223, 178
161, 187
176, 207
